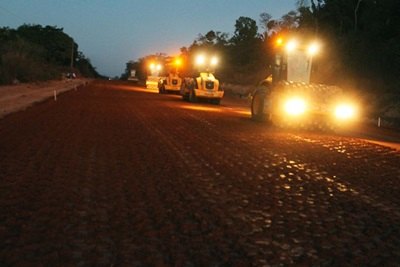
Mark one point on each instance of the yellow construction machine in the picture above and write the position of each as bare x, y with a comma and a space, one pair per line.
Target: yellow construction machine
288, 98
155, 69
172, 82
204, 85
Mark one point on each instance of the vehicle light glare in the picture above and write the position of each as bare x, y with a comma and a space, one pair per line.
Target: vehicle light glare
291, 45
279, 41
158, 67
295, 106
345, 112
200, 60
313, 49
214, 61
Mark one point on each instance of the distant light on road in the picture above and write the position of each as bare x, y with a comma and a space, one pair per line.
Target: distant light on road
202, 108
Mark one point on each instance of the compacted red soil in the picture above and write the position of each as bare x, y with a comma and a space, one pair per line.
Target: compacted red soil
112, 175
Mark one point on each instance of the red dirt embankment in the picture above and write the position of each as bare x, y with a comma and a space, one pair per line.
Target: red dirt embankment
18, 97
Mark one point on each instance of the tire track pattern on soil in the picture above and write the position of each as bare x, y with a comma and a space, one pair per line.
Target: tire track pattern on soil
113, 176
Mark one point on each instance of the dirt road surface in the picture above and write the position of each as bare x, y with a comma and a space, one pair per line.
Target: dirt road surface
113, 175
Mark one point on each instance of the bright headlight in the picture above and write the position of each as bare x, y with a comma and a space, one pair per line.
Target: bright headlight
291, 45
295, 106
200, 60
345, 112
178, 62
214, 61
313, 49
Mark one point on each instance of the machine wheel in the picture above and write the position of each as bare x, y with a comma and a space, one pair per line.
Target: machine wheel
258, 112
183, 89
216, 101
192, 96
161, 89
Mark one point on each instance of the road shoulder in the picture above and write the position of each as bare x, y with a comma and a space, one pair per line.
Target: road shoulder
15, 98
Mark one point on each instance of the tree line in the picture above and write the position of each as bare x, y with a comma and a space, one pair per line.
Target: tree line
37, 53
361, 44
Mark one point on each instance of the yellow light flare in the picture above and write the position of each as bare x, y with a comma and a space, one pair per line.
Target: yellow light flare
291, 45
155, 66
200, 60
201, 108
217, 109
295, 106
313, 49
242, 112
279, 41
345, 112
178, 62
214, 61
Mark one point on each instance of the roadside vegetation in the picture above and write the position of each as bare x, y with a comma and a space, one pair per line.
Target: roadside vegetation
33, 53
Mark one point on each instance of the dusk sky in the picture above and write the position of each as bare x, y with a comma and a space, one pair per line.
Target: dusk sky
112, 32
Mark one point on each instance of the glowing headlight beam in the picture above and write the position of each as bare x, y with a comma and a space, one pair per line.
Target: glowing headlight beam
214, 61
313, 49
291, 45
295, 106
200, 60
345, 112
279, 41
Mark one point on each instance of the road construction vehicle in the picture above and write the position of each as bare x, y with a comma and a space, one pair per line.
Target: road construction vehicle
288, 98
132, 76
172, 82
204, 85
154, 75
